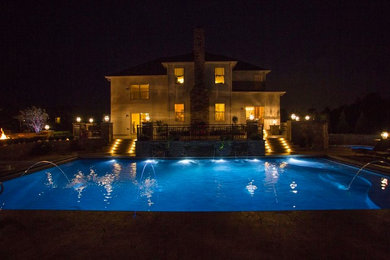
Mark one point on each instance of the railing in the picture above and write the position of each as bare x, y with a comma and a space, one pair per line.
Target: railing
199, 132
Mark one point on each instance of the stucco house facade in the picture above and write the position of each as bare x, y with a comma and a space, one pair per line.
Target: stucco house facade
162, 90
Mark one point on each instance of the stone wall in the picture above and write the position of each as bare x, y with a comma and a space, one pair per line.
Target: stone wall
309, 134
37, 148
200, 148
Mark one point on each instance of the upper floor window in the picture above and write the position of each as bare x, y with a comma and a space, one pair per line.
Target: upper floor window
219, 75
179, 112
179, 75
220, 112
139, 91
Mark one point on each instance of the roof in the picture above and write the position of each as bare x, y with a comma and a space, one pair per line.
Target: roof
155, 67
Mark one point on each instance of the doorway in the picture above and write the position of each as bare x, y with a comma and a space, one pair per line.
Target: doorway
137, 119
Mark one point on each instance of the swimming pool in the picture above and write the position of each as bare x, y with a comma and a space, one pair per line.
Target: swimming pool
262, 184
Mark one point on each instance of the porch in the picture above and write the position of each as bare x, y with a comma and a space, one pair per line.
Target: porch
150, 132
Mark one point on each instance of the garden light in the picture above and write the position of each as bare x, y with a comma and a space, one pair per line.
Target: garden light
293, 116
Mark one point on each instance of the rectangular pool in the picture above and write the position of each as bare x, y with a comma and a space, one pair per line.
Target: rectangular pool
263, 184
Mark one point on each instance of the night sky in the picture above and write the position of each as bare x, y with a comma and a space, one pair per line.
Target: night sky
323, 53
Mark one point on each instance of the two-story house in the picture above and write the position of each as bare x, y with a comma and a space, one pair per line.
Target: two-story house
163, 90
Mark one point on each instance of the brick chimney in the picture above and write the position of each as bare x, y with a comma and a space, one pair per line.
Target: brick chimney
199, 56
199, 95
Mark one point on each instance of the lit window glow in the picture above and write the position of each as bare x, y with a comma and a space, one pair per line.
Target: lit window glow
139, 91
254, 112
179, 112
220, 112
179, 74
219, 75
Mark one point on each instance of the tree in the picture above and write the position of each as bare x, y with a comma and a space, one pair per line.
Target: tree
361, 124
34, 118
342, 125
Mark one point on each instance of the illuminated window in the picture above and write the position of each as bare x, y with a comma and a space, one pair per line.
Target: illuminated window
179, 74
139, 91
58, 120
252, 113
179, 112
145, 117
219, 75
219, 112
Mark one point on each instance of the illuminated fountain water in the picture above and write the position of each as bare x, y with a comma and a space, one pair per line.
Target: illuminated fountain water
148, 162
147, 185
49, 162
364, 166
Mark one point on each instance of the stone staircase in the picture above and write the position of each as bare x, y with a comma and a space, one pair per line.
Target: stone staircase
122, 147
277, 145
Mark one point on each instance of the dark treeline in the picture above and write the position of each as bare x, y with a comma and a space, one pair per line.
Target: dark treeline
367, 115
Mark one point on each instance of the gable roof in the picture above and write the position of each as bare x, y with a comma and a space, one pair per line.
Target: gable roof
155, 67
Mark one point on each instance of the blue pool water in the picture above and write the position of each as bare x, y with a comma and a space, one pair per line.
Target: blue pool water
198, 185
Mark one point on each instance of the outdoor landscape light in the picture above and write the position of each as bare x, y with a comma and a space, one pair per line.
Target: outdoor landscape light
91, 120
293, 116
307, 117
78, 119
384, 135
47, 127
106, 119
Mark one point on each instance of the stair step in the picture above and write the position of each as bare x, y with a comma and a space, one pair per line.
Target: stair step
278, 146
122, 147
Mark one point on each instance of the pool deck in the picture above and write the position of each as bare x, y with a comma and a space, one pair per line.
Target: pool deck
350, 234
344, 234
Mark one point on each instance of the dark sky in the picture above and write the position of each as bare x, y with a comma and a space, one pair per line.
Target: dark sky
323, 53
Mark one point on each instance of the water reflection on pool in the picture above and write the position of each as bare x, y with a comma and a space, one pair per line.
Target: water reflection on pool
259, 184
